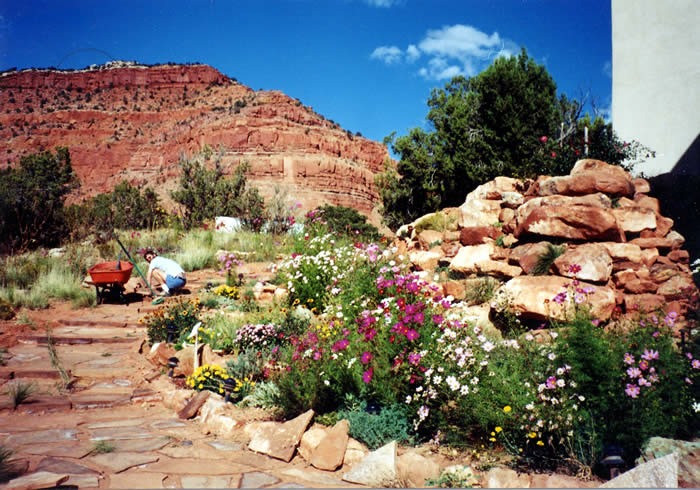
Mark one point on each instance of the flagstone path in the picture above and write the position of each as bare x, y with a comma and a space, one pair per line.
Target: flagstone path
98, 419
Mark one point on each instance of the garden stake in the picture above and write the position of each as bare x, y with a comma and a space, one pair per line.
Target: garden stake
156, 301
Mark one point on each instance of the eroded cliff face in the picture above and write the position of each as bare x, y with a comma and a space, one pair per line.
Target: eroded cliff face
134, 122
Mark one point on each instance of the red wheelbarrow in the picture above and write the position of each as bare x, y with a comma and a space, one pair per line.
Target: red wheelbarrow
109, 279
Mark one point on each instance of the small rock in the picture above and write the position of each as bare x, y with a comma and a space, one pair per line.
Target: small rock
193, 406
329, 453
377, 469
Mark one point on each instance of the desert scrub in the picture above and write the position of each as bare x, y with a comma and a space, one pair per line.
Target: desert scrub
480, 290
19, 391
439, 221
103, 447
391, 423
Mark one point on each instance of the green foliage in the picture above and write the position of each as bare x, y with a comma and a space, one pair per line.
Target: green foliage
341, 220
7, 468
249, 363
32, 199
547, 258
183, 313
280, 212
438, 221
264, 395
391, 423
480, 290
461, 477
103, 447
504, 121
205, 193
126, 207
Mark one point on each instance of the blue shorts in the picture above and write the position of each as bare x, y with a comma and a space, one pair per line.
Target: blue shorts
174, 282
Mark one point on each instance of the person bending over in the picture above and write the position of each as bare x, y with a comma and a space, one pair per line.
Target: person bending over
164, 272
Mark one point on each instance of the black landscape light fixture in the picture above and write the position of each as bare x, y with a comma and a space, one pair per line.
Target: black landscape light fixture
172, 330
172, 364
373, 407
612, 459
229, 386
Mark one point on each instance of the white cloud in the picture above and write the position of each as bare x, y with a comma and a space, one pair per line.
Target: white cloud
607, 69
387, 54
382, 3
412, 53
451, 50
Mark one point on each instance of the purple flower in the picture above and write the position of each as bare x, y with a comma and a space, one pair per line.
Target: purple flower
560, 298
367, 376
574, 269
340, 345
695, 363
414, 358
366, 357
632, 391
650, 354
412, 334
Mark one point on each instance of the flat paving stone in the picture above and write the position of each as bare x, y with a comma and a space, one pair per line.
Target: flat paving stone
57, 465
40, 479
202, 481
141, 445
39, 436
225, 446
114, 423
315, 477
192, 452
62, 450
44, 404
257, 479
118, 462
168, 424
83, 481
137, 478
117, 433
184, 466
99, 400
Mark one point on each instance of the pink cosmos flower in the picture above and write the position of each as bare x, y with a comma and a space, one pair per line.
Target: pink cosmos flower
695, 363
634, 372
650, 354
317, 355
340, 345
367, 376
412, 334
643, 365
629, 358
366, 357
643, 382
632, 391
551, 383
574, 268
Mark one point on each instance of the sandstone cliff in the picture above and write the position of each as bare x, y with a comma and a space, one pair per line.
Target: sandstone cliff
127, 121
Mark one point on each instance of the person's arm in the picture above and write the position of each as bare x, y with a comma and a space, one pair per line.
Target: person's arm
149, 275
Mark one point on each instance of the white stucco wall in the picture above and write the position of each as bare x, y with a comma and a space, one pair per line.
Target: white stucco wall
656, 77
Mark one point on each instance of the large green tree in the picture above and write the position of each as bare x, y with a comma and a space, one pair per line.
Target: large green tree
508, 120
32, 197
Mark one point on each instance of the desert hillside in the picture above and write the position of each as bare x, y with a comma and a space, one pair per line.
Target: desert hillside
128, 121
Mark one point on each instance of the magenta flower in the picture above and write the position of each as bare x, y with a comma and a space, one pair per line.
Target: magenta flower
412, 334
695, 363
367, 376
414, 358
551, 383
370, 334
629, 358
340, 345
650, 354
643, 365
560, 297
317, 355
632, 391
366, 357
574, 269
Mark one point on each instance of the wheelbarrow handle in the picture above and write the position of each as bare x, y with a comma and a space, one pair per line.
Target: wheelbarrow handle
135, 266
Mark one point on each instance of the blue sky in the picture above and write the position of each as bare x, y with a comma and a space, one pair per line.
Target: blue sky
369, 65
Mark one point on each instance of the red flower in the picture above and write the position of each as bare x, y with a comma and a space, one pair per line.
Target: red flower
554, 155
543, 139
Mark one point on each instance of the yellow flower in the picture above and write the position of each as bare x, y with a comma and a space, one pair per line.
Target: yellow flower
492, 439
507, 409
201, 386
532, 435
498, 429
493, 433
540, 443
